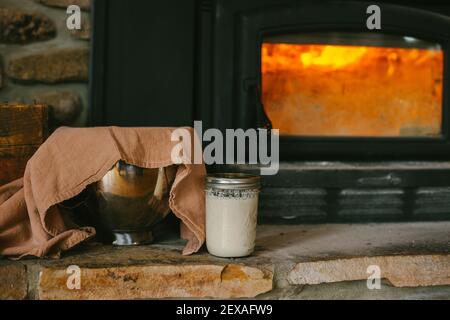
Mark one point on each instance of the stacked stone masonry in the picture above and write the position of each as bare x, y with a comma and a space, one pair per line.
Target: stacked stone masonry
42, 61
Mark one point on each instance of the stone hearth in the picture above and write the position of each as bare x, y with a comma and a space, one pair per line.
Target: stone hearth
290, 261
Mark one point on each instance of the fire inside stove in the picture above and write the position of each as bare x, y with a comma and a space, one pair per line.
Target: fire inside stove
353, 90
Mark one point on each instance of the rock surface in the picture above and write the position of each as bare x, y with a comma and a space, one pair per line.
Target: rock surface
163, 281
415, 255
13, 282
65, 106
400, 271
84, 33
59, 65
357, 290
83, 4
18, 26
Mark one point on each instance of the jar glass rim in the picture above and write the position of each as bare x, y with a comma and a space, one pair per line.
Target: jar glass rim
231, 180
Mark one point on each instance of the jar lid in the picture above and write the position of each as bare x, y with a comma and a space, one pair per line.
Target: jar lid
232, 181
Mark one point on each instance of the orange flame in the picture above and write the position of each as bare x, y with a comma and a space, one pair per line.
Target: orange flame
329, 90
332, 56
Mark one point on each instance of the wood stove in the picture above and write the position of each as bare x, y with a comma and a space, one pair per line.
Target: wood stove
361, 103
363, 114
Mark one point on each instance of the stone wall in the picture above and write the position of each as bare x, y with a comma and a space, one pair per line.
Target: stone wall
42, 61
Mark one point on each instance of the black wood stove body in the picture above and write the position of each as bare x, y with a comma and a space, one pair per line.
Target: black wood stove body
328, 177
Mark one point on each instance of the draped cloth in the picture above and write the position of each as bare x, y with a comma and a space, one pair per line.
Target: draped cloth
31, 223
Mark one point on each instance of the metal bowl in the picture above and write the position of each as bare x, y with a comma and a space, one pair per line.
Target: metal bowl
131, 200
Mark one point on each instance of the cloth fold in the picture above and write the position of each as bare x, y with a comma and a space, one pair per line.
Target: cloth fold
73, 158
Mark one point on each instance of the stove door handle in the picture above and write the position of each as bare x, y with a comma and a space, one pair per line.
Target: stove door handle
388, 180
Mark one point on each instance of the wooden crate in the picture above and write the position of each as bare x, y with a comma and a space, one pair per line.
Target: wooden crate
23, 128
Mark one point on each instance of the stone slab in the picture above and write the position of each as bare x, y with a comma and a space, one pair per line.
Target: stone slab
83, 4
357, 290
17, 26
306, 243
163, 281
64, 106
51, 66
13, 282
400, 270
422, 249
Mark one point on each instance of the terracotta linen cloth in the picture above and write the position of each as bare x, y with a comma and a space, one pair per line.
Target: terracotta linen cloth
73, 158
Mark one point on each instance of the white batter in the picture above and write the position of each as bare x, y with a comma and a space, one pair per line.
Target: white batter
231, 225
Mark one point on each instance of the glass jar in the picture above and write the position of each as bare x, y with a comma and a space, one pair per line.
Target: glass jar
231, 213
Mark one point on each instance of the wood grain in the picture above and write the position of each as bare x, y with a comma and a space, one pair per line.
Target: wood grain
23, 128
13, 160
23, 124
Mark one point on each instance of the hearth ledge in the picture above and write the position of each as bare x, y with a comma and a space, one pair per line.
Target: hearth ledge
288, 259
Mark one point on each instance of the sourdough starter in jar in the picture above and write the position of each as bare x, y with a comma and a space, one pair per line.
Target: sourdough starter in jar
231, 214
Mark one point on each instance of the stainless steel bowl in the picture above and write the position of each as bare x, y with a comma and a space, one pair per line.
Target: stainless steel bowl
131, 200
